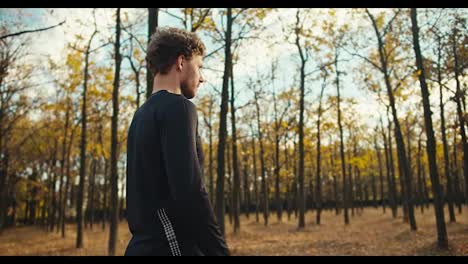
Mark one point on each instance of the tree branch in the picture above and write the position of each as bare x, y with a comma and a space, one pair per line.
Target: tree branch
30, 31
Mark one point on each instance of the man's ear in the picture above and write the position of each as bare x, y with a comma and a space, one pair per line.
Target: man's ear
180, 62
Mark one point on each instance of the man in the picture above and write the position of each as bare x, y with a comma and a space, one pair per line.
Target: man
169, 212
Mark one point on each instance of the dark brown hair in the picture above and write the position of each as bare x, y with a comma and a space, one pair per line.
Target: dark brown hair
167, 44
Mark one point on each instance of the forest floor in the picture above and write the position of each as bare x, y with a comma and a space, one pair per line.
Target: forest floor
370, 233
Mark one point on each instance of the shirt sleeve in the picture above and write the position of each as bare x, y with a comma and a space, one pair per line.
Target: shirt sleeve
192, 208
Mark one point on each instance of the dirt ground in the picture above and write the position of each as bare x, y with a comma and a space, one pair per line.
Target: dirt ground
371, 233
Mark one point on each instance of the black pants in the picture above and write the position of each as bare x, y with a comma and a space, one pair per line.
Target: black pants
148, 246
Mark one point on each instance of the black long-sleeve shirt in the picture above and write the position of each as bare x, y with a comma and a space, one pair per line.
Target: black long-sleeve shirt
168, 209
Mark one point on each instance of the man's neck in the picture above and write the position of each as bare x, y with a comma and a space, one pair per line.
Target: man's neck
166, 82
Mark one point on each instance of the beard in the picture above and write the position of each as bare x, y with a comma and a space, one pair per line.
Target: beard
186, 90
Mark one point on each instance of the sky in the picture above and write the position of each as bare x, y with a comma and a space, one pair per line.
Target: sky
254, 55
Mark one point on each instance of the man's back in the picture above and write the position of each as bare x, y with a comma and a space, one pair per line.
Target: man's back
168, 209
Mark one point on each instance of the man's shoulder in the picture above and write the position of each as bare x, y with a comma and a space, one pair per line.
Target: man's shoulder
164, 103
179, 105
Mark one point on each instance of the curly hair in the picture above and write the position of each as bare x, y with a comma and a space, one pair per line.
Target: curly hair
167, 44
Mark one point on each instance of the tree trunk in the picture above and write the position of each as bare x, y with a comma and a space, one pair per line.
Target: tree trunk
3, 175
295, 179
223, 124
288, 190
335, 180
246, 187
62, 165
301, 197
402, 160
460, 112
350, 187
279, 205
67, 183
390, 175
262, 164
32, 199
152, 26
318, 183
210, 166
235, 163
255, 176
54, 181
105, 215
456, 173
420, 179
448, 174
431, 143
114, 151
92, 184
342, 154
229, 197
79, 204
425, 189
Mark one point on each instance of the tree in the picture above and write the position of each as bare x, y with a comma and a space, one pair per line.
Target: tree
304, 57
223, 124
15, 105
318, 184
448, 174
235, 163
442, 240
384, 55
193, 19
152, 26
207, 107
114, 151
459, 95
279, 125
79, 209
379, 160
9, 35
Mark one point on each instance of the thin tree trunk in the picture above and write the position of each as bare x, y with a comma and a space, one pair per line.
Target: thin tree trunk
288, 190
91, 209
381, 178
335, 180
223, 125
210, 166
68, 180
448, 174
460, 112
420, 179
262, 164
62, 165
246, 187
342, 154
458, 191
390, 175
235, 163
229, 197
105, 214
425, 189
402, 159
79, 205
254, 157
279, 205
301, 197
318, 183
114, 151
152, 26
431, 143
54, 181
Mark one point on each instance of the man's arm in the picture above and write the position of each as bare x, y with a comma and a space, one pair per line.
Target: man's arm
192, 206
